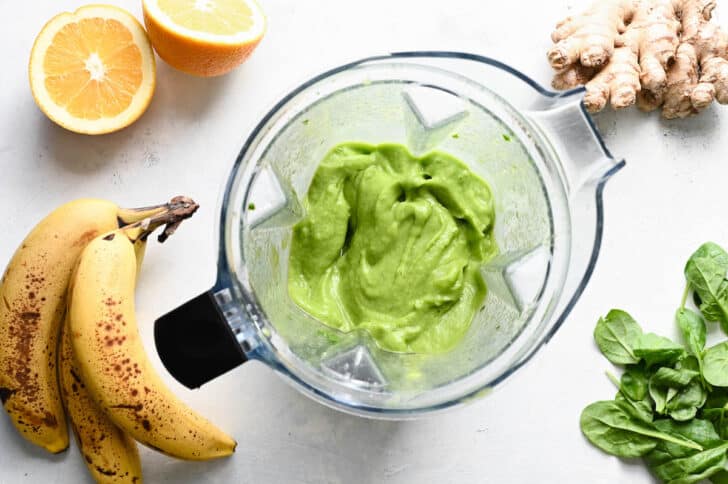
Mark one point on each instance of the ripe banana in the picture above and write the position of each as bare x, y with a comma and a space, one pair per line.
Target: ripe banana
32, 303
111, 455
112, 361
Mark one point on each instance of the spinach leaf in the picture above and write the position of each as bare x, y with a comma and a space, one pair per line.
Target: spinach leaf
657, 349
616, 335
632, 395
659, 396
715, 365
634, 383
674, 378
608, 426
716, 410
639, 409
678, 392
719, 418
691, 397
718, 398
699, 431
679, 464
685, 404
708, 473
714, 253
694, 468
720, 477
692, 328
689, 363
706, 273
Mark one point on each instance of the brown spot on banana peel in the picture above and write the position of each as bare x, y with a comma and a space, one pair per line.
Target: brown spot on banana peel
135, 408
50, 420
29, 315
34, 421
76, 377
24, 324
105, 472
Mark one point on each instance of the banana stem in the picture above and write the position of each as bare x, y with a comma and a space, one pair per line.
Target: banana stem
129, 216
170, 216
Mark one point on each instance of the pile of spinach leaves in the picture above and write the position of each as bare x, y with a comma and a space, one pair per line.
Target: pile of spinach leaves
671, 406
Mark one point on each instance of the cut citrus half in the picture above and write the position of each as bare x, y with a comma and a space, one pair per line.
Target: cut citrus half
93, 71
204, 37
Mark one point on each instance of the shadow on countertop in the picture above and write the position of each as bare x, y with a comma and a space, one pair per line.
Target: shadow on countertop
179, 99
702, 128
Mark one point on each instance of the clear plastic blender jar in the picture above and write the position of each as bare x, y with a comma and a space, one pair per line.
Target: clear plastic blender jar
539, 151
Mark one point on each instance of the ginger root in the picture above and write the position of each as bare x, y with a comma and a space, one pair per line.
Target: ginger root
653, 53
589, 38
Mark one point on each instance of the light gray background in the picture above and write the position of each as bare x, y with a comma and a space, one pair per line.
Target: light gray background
668, 200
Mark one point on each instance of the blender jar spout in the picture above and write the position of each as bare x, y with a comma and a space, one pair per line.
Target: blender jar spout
196, 342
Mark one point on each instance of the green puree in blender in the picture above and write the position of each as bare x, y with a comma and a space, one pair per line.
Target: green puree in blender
392, 244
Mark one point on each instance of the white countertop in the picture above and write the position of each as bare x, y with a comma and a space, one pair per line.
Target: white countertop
669, 199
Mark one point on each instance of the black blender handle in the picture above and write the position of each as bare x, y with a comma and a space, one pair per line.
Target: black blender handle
195, 343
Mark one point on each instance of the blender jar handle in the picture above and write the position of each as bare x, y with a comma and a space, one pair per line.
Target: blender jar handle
195, 341
572, 134
586, 165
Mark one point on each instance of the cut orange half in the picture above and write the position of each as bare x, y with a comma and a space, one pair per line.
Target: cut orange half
93, 71
204, 37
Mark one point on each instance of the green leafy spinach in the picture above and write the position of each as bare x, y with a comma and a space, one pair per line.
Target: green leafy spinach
679, 464
692, 328
611, 428
706, 273
715, 365
656, 349
616, 335
671, 407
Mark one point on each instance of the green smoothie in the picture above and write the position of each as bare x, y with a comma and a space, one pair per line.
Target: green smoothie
393, 244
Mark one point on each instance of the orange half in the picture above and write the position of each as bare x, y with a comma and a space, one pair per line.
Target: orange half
93, 71
204, 37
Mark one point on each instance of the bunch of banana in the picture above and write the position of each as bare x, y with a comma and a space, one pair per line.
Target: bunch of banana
32, 304
81, 261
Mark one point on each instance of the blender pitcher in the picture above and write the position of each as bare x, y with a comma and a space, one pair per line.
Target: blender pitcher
538, 150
